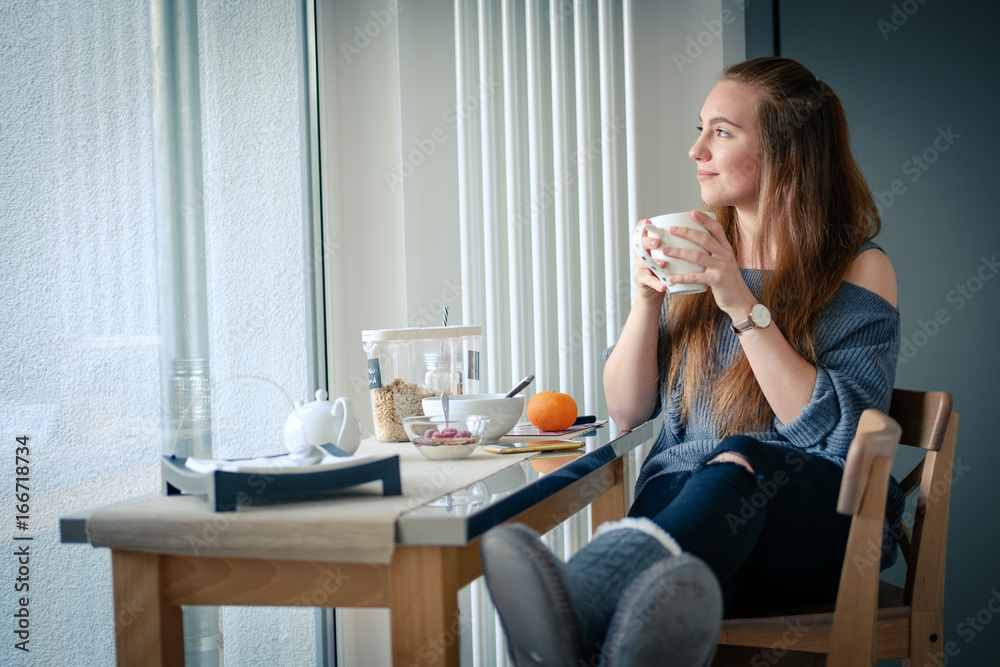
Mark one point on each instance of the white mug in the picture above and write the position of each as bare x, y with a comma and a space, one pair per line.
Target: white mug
658, 228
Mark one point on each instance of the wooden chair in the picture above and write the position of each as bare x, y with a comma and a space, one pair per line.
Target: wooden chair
871, 620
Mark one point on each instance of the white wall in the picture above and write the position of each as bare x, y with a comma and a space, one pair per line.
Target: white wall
78, 342
678, 59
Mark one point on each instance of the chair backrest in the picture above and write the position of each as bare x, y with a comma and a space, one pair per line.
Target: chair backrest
929, 423
923, 416
919, 419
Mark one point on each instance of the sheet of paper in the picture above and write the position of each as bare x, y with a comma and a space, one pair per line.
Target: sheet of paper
527, 429
274, 464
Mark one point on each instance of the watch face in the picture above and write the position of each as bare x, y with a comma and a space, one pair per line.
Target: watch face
761, 315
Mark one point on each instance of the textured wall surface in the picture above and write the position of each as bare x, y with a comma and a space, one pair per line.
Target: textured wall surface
78, 294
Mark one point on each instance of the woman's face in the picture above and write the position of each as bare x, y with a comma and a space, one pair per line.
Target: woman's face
728, 148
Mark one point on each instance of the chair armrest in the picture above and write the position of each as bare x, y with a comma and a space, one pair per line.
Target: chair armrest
862, 494
877, 437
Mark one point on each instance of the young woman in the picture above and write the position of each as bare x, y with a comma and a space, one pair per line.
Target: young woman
761, 381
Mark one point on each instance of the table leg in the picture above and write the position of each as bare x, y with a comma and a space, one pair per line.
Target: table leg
613, 503
423, 606
148, 632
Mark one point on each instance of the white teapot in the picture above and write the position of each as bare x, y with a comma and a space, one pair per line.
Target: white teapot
322, 423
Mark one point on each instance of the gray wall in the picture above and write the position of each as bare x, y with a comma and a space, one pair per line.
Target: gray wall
910, 73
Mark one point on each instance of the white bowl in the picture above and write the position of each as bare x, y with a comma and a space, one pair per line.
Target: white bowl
503, 412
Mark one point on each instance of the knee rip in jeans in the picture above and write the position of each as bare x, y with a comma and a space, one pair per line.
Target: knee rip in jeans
732, 457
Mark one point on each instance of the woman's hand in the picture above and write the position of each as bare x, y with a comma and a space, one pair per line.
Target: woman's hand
722, 270
650, 287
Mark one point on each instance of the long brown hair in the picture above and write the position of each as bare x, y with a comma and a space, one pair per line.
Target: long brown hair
814, 211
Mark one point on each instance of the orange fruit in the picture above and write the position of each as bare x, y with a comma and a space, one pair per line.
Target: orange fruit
551, 411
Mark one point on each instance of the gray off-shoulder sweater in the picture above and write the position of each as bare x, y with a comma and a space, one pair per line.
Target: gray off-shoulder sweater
857, 344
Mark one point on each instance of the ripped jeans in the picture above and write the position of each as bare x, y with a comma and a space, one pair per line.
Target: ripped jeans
772, 534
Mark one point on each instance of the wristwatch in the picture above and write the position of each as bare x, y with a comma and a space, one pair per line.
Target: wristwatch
759, 318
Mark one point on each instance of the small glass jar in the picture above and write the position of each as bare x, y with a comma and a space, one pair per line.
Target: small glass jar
439, 374
190, 409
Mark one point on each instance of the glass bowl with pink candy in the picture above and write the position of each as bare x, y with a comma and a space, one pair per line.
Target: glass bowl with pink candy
440, 439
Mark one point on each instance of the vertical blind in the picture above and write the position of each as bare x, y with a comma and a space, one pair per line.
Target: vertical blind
545, 207
544, 199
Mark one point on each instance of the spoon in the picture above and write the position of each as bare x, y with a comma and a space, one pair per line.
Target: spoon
520, 386
444, 407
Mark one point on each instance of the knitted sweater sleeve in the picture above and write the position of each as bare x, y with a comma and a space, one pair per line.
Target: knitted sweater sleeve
857, 345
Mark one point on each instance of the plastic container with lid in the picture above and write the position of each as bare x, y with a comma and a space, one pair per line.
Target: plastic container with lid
407, 365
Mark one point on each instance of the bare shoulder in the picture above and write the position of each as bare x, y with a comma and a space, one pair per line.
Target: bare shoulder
873, 271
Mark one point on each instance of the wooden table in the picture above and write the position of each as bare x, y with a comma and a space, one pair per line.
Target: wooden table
419, 586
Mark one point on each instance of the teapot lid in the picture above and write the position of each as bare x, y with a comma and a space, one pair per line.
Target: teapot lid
320, 402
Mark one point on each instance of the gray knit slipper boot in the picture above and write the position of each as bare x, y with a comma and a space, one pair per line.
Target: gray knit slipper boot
601, 571
525, 581
557, 613
669, 616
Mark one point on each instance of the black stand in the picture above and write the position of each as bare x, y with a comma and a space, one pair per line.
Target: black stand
229, 491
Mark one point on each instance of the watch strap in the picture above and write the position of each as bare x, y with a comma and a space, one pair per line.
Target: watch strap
746, 324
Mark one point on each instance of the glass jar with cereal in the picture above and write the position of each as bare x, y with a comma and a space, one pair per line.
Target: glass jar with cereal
407, 365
